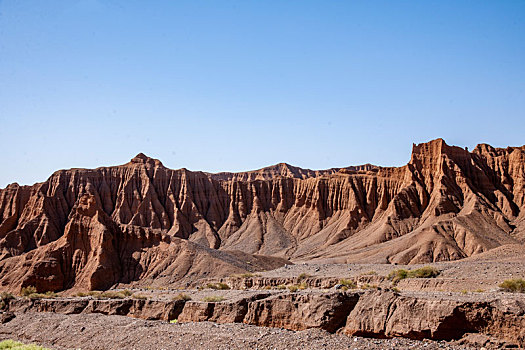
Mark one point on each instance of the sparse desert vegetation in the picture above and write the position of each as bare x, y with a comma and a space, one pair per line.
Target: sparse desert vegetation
213, 299
303, 276
218, 286
26, 291
347, 284
5, 297
369, 273
31, 292
369, 286
246, 275
423, 272
42, 295
105, 294
182, 296
295, 287
139, 296
15, 345
516, 285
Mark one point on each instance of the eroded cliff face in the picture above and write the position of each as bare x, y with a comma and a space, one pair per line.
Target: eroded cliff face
95, 253
127, 222
377, 314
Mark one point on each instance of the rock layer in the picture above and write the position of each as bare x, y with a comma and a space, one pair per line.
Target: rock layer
93, 228
379, 314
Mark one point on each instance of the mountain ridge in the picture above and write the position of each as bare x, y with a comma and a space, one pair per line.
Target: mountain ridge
446, 203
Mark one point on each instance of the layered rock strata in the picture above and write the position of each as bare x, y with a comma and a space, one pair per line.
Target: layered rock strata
90, 229
379, 314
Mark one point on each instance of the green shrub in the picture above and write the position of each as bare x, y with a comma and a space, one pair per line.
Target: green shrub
280, 287
182, 296
219, 286
6, 296
42, 295
26, 291
423, 272
293, 288
303, 276
174, 321
347, 284
514, 285
106, 295
94, 293
223, 286
369, 273
213, 299
14, 345
126, 292
397, 275
369, 286
244, 275
139, 296
4, 299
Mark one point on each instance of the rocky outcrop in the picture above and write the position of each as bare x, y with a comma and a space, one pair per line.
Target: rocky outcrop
272, 282
259, 282
302, 311
387, 314
379, 314
220, 312
139, 308
91, 229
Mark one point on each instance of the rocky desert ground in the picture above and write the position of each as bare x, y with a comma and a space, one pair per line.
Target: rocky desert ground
327, 306
139, 256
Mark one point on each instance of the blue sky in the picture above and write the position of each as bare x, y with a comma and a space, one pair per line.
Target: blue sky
238, 85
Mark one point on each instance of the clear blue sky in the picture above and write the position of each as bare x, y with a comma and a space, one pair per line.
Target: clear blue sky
238, 85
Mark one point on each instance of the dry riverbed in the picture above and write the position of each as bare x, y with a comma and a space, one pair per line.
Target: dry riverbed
95, 331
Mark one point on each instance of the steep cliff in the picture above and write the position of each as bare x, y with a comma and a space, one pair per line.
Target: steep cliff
124, 223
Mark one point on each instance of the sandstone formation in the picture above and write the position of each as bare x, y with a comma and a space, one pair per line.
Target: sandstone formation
387, 314
90, 229
95, 253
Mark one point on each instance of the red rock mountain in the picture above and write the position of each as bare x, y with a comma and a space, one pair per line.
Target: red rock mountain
91, 229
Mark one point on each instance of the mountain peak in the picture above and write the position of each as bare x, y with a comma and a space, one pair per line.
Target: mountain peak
141, 158
431, 146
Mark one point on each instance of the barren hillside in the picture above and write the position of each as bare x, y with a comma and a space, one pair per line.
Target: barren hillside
92, 228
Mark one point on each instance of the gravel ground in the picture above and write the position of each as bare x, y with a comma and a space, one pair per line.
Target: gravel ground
94, 331
490, 270
477, 278
469, 275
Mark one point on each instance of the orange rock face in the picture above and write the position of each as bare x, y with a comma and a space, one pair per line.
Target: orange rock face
93, 228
